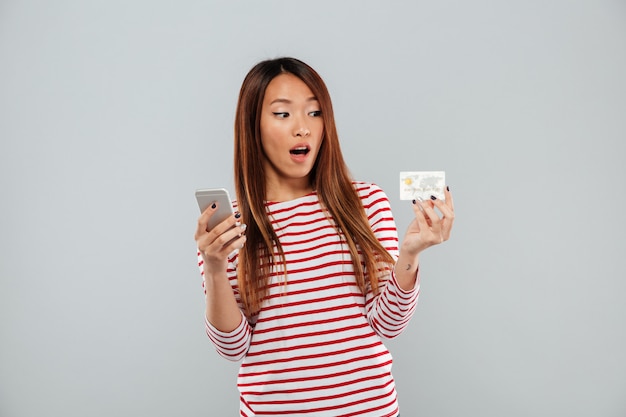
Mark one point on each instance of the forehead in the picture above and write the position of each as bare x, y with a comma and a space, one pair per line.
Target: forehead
288, 87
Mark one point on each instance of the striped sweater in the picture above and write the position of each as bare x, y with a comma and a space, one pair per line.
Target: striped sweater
315, 346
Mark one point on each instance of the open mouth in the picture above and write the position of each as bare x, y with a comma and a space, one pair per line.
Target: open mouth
300, 150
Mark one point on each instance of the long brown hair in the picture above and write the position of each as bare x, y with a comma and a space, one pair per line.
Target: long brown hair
329, 177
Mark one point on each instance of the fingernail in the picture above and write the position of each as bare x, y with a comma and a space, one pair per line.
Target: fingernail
414, 201
213, 205
237, 215
447, 188
432, 197
244, 227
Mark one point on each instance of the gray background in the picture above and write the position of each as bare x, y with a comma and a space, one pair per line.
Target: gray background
113, 112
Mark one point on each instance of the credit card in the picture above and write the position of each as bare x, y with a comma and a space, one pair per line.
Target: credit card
415, 185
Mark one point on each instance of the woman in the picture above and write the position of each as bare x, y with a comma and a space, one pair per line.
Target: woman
305, 280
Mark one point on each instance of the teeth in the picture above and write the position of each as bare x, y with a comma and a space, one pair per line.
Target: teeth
300, 150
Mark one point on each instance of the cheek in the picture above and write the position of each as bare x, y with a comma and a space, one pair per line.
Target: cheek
319, 130
267, 134
263, 129
270, 139
271, 130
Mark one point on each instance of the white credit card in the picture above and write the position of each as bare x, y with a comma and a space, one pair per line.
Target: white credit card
415, 185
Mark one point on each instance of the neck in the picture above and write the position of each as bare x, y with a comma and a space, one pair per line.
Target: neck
286, 190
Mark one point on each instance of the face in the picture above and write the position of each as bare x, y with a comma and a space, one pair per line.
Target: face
291, 132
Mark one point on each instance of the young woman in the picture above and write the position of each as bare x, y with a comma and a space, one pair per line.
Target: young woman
307, 278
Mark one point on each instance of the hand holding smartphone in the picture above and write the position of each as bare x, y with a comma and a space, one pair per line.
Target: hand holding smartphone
207, 196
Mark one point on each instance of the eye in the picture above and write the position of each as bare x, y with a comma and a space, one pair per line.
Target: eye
281, 114
316, 113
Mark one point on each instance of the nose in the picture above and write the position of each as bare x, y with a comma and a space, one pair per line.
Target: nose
302, 131
300, 127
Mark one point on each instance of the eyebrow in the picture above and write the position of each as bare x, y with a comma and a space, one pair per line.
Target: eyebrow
287, 101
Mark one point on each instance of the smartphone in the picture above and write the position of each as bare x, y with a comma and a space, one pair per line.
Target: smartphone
208, 196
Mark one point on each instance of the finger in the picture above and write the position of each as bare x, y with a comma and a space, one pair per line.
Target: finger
444, 208
206, 215
431, 229
434, 218
420, 217
229, 241
231, 234
447, 219
203, 220
219, 246
423, 204
228, 223
449, 200
209, 236
236, 244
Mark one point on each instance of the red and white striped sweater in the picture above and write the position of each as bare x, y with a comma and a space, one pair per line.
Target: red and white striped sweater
315, 347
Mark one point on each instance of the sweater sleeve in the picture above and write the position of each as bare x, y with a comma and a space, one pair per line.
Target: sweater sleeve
389, 311
235, 344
